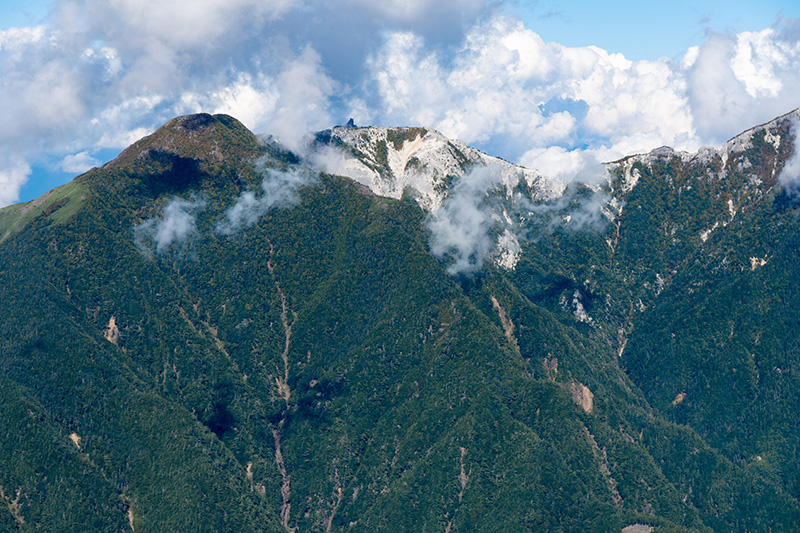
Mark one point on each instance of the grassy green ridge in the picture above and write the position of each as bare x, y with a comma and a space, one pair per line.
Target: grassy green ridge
60, 205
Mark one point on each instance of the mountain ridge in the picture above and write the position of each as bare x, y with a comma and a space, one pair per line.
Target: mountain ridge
391, 159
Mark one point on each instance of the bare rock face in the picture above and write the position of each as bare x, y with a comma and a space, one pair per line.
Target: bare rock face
111, 331
582, 396
438, 173
420, 161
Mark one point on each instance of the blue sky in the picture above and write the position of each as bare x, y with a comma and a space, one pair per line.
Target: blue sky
553, 85
22, 13
648, 30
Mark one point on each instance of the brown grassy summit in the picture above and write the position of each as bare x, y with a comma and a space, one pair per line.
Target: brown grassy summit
207, 139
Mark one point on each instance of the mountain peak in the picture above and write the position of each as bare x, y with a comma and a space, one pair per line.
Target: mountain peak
193, 122
199, 137
393, 161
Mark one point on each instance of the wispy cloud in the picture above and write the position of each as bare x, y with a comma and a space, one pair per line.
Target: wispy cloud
479, 219
580, 208
279, 188
176, 223
789, 177
460, 229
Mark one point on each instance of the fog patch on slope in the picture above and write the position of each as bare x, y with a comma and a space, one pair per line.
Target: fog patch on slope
332, 160
789, 177
479, 219
580, 208
279, 188
460, 228
177, 221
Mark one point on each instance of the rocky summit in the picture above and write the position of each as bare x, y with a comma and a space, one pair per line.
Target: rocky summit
392, 331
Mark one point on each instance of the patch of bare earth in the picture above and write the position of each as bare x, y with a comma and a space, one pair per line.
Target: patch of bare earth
282, 384
286, 490
581, 395
463, 479
508, 325
338, 496
13, 504
111, 331
602, 457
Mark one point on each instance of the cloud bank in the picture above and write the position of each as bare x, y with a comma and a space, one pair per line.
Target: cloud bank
101, 74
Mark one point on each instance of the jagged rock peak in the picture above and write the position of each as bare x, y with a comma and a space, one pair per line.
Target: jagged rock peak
419, 160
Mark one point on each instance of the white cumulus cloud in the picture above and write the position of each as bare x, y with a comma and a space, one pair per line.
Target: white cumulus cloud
755, 59
738, 81
79, 163
13, 175
507, 87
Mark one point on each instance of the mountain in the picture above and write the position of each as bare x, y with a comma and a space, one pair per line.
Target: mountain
207, 333
419, 161
445, 177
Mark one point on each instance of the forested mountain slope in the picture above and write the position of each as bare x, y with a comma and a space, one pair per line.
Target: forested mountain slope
206, 334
